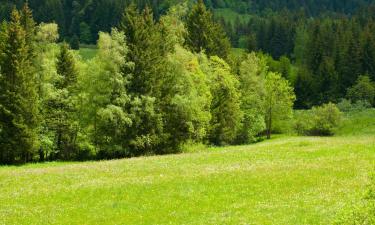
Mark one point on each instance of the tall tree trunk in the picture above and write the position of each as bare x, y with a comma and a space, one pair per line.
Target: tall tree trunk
269, 124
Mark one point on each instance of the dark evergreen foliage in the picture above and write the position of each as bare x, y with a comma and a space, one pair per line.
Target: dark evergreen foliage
18, 94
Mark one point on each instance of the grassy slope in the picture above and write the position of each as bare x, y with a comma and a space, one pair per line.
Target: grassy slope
87, 53
288, 180
231, 16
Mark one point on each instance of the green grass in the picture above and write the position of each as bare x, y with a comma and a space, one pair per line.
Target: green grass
238, 52
288, 180
358, 123
87, 53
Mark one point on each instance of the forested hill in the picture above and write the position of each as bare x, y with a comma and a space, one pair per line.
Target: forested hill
312, 7
85, 18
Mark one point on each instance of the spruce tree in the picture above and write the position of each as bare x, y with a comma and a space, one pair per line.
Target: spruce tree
368, 50
60, 111
18, 96
352, 67
147, 51
205, 34
28, 25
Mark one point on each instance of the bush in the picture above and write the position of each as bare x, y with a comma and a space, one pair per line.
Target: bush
320, 121
346, 105
302, 123
363, 90
325, 119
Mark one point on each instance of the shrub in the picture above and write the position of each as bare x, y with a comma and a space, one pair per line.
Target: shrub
320, 121
302, 123
363, 90
325, 119
346, 105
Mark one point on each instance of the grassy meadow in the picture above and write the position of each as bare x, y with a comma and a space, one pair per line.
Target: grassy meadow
287, 180
87, 52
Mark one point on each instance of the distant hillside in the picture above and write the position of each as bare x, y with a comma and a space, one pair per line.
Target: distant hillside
85, 18
312, 7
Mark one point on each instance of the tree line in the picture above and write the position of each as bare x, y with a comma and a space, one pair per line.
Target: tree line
82, 20
153, 86
323, 56
312, 7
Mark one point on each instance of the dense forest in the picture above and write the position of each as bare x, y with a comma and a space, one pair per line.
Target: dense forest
166, 75
83, 19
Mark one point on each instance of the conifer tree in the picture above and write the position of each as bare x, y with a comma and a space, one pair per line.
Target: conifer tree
205, 34
368, 50
147, 51
18, 96
61, 109
28, 24
352, 67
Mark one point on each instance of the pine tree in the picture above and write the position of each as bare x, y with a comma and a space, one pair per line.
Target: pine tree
60, 110
147, 50
368, 50
18, 96
28, 25
66, 67
327, 80
205, 34
352, 64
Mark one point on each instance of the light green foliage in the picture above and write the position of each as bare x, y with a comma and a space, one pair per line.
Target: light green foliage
279, 100
288, 180
47, 52
226, 105
103, 93
187, 98
47, 33
357, 123
88, 53
252, 76
146, 135
174, 27
325, 119
346, 105
282, 66
321, 121
363, 90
